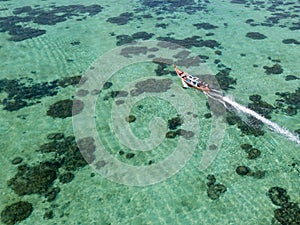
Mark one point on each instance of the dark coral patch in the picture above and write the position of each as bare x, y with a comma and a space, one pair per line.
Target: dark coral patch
211, 179
161, 25
258, 174
48, 214
171, 134
34, 180
16, 212
290, 41
142, 35
224, 80
133, 50
17, 25
253, 153
278, 196
151, 85
183, 6
289, 102
288, 214
40, 178
252, 126
74, 43
20, 94
55, 136
72, 155
282, 14
126, 39
115, 94
207, 115
275, 69
107, 85
66, 177
205, 26
65, 108
214, 190
239, 1
67, 81
194, 41
175, 122
129, 155
17, 160
246, 147
130, 118
122, 19
58, 146
20, 34
260, 106
255, 35
52, 193
242, 170
86, 155
291, 77
161, 69
185, 133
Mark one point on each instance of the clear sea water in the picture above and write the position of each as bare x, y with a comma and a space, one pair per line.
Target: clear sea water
45, 43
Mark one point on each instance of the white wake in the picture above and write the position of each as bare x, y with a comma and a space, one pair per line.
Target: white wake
271, 125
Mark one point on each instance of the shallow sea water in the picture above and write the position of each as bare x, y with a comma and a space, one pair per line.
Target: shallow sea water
85, 40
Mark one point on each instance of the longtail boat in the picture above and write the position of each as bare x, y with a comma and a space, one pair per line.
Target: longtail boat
192, 81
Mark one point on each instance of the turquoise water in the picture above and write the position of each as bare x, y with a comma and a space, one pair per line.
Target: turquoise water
129, 172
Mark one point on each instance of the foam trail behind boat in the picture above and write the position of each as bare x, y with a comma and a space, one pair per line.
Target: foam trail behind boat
273, 126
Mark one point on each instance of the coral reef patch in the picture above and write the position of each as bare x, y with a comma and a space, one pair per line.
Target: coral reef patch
16, 212
18, 28
21, 94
